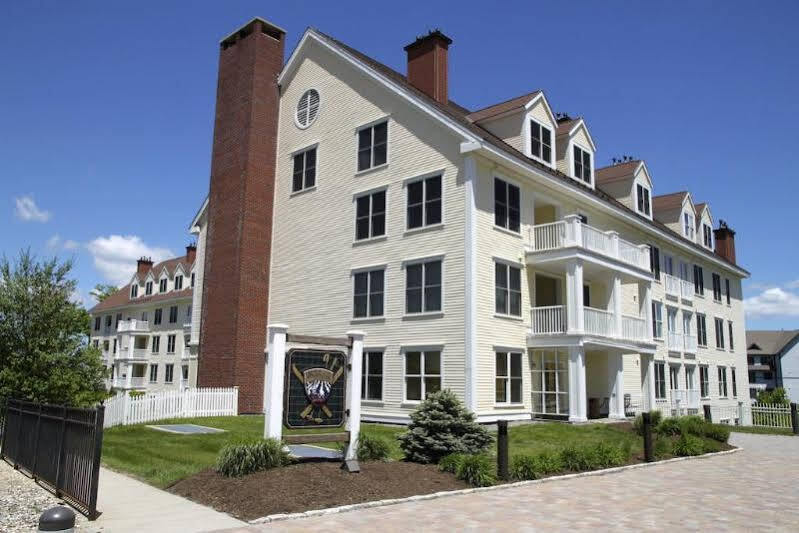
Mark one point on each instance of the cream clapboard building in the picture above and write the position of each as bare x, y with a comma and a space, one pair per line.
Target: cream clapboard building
485, 252
144, 330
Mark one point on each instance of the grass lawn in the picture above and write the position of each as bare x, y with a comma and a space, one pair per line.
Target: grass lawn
761, 430
535, 438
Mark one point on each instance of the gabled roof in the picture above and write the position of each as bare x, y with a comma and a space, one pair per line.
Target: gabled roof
769, 342
456, 114
617, 172
520, 102
667, 202
568, 127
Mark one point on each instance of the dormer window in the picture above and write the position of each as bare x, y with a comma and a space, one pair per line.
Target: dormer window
707, 236
178, 282
162, 285
148, 288
582, 164
688, 225
643, 200
134, 290
540, 142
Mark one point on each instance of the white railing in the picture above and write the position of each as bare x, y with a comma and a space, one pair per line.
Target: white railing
133, 326
137, 382
686, 290
633, 254
675, 342
599, 322
597, 241
672, 285
689, 343
135, 353
771, 415
634, 328
548, 236
123, 409
548, 320
683, 399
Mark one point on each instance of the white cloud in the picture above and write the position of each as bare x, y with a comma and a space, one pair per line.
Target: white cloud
793, 284
772, 302
69, 244
115, 256
53, 242
28, 211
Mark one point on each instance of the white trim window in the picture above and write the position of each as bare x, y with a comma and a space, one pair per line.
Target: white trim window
173, 314
699, 281
423, 287
722, 381
154, 373
134, 290
582, 164
716, 288
304, 175
184, 372
540, 142
162, 285
423, 202
660, 380
372, 146
370, 215
307, 109
729, 330
734, 383
704, 381
643, 199
158, 316
422, 374
719, 323
169, 372
507, 205
148, 288
549, 370
688, 225
707, 236
170, 344
156, 344
372, 376
657, 319
368, 292
178, 282
508, 289
508, 382
701, 330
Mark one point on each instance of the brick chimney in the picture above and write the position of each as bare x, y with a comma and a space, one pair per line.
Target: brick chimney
427, 64
143, 265
725, 241
238, 242
191, 253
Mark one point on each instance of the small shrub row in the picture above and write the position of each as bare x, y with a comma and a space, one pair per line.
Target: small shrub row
535, 466
372, 448
571, 458
638, 423
688, 445
478, 470
692, 425
240, 459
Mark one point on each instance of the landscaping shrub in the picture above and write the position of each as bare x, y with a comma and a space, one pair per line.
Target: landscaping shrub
693, 425
669, 427
578, 459
240, 459
638, 423
441, 425
535, 466
477, 470
661, 448
608, 455
371, 448
688, 445
717, 432
450, 463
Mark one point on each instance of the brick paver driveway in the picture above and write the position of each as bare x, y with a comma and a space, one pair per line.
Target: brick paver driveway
757, 488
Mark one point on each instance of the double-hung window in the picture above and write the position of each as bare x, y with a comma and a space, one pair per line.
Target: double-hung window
304, 176
422, 374
729, 327
134, 291
170, 344
372, 144
156, 343
727, 289
372, 376
169, 371
508, 289
173, 314
153, 373
657, 319
707, 236
699, 280
704, 381
716, 287
148, 288
701, 330
368, 293
643, 200
424, 202
97, 321
507, 205
157, 317
162, 285
192, 280
688, 225
654, 261
423, 287
108, 321
719, 323
734, 383
722, 382
540, 142
660, 380
508, 377
178, 282
582, 164
370, 215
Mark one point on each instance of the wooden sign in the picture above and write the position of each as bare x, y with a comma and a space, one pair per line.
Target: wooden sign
316, 388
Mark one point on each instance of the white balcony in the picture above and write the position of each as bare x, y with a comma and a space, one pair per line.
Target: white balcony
133, 326
571, 233
674, 341
135, 353
552, 321
549, 320
689, 343
686, 290
685, 399
678, 288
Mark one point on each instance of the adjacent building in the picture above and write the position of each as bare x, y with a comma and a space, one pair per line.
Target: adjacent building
773, 357
144, 329
486, 251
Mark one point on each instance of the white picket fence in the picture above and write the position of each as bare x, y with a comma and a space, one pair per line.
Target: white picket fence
756, 414
123, 409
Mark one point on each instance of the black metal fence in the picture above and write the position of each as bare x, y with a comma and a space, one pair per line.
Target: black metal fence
57, 445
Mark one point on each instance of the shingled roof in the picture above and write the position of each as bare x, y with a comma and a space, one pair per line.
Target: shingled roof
768, 342
667, 202
497, 109
617, 172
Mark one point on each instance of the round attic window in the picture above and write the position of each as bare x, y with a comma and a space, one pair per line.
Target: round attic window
307, 108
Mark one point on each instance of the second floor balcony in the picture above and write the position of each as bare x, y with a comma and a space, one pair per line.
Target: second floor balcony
133, 326
681, 342
141, 354
678, 288
553, 320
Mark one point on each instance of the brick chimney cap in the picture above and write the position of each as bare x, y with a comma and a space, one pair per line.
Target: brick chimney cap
431, 35
270, 25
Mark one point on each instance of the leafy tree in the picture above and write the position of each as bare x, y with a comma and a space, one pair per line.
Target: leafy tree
776, 396
44, 354
102, 291
441, 425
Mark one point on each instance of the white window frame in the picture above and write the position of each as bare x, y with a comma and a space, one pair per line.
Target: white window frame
689, 223
423, 350
703, 330
648, 203
707, 231
302, 152
372, 124
369, 193
134, 290
731, 342
416, 261
537, 382
154, 366
169, 372
722, 378
171, 340
368, 270
409, 181
508, 378
366, 372
572, 146
163, 282
508, 265
704, 383
718, 329
156, 344
148, 288
660, 382
657, 321
307, 94
508, 183
529, 135
178, 286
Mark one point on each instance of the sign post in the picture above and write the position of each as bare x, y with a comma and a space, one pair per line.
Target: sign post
273, 384
354, 393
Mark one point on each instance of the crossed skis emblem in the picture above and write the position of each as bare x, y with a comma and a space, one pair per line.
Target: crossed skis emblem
318, 383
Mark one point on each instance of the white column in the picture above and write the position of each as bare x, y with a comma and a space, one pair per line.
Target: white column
647, 311
354, 392
574, 296
577, 391
614, 243
616, 378
616, 296
275, 362
470, 275
574, 230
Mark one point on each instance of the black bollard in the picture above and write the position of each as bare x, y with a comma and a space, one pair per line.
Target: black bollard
57, 518
502, 449
794, 419
649, 454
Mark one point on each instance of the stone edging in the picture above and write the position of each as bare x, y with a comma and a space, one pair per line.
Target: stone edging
435, 495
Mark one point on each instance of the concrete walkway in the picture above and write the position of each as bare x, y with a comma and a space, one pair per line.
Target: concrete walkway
132, 506
754, 489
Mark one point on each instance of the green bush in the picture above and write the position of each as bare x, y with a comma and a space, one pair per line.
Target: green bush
477, 470
608, 455
776, 396
535, 466
240, 459
441, 425
693, 425
579, 459
638, 423
371, 448
450, 463
717, 432
661, 448
688, 445
670, 427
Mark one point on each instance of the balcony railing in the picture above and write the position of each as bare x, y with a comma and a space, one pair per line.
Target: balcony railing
678, 288
599, 322
133, 326
634, 328
674, 341
689, 343
686, 290
685, 398
135, 353
551, 320
572, 232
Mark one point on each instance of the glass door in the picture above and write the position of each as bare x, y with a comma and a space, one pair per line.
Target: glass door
550, 382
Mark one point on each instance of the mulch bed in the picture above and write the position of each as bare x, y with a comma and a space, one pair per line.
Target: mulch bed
307, 486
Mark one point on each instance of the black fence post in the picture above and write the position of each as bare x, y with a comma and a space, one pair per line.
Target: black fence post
794, 419
502, 449
649, 455
708, 414
59, 473
3, 427
36, 442
99, 419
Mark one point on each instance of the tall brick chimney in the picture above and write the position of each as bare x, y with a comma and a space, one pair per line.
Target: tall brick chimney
191, 253
143, 265
427, 64
725, 241
238, 242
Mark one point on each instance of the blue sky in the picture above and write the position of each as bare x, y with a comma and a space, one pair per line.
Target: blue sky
107, 111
